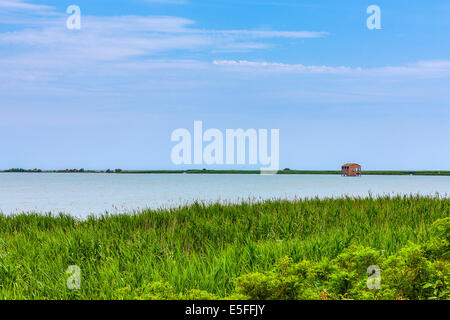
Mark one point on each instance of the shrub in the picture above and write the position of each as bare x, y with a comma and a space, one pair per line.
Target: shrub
417, 271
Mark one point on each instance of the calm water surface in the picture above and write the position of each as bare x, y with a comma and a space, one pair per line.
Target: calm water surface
84, 194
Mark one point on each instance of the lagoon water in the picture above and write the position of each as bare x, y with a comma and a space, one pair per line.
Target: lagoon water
84, 194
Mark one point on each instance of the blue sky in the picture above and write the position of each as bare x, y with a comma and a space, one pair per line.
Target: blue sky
110, 95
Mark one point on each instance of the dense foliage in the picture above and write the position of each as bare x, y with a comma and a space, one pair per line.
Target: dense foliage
306, 249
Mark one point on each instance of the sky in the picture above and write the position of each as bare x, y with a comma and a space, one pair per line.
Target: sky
110, 94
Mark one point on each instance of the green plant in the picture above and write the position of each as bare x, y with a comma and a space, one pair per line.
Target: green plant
223, 251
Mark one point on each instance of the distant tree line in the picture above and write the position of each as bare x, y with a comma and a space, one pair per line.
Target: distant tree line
22, 170
206, 171
113, 171
62, 170
70, 170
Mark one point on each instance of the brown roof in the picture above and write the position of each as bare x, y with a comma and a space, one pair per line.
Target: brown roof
351, 165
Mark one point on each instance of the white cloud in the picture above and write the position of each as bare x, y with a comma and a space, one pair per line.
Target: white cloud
244, 65
421, 69
116, 37
122, 37
274, 34
20, 5
49, 57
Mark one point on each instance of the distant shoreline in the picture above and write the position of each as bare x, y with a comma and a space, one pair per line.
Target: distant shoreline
204, 171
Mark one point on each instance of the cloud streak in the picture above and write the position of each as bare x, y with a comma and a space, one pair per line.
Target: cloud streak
14, 5
123, 37
264, 34
421, 68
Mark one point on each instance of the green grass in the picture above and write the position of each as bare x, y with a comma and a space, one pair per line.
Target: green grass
413, 173
207, 171
199, 247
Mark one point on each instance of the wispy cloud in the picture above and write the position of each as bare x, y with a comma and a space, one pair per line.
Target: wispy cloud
21, 5
50, 56
118, 37
243, 65
106, 39
419, 69
110, 38
274, 34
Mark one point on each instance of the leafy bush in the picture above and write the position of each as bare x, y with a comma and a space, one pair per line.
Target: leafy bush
415, 272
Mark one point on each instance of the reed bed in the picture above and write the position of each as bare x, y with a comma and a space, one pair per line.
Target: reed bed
204, 247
